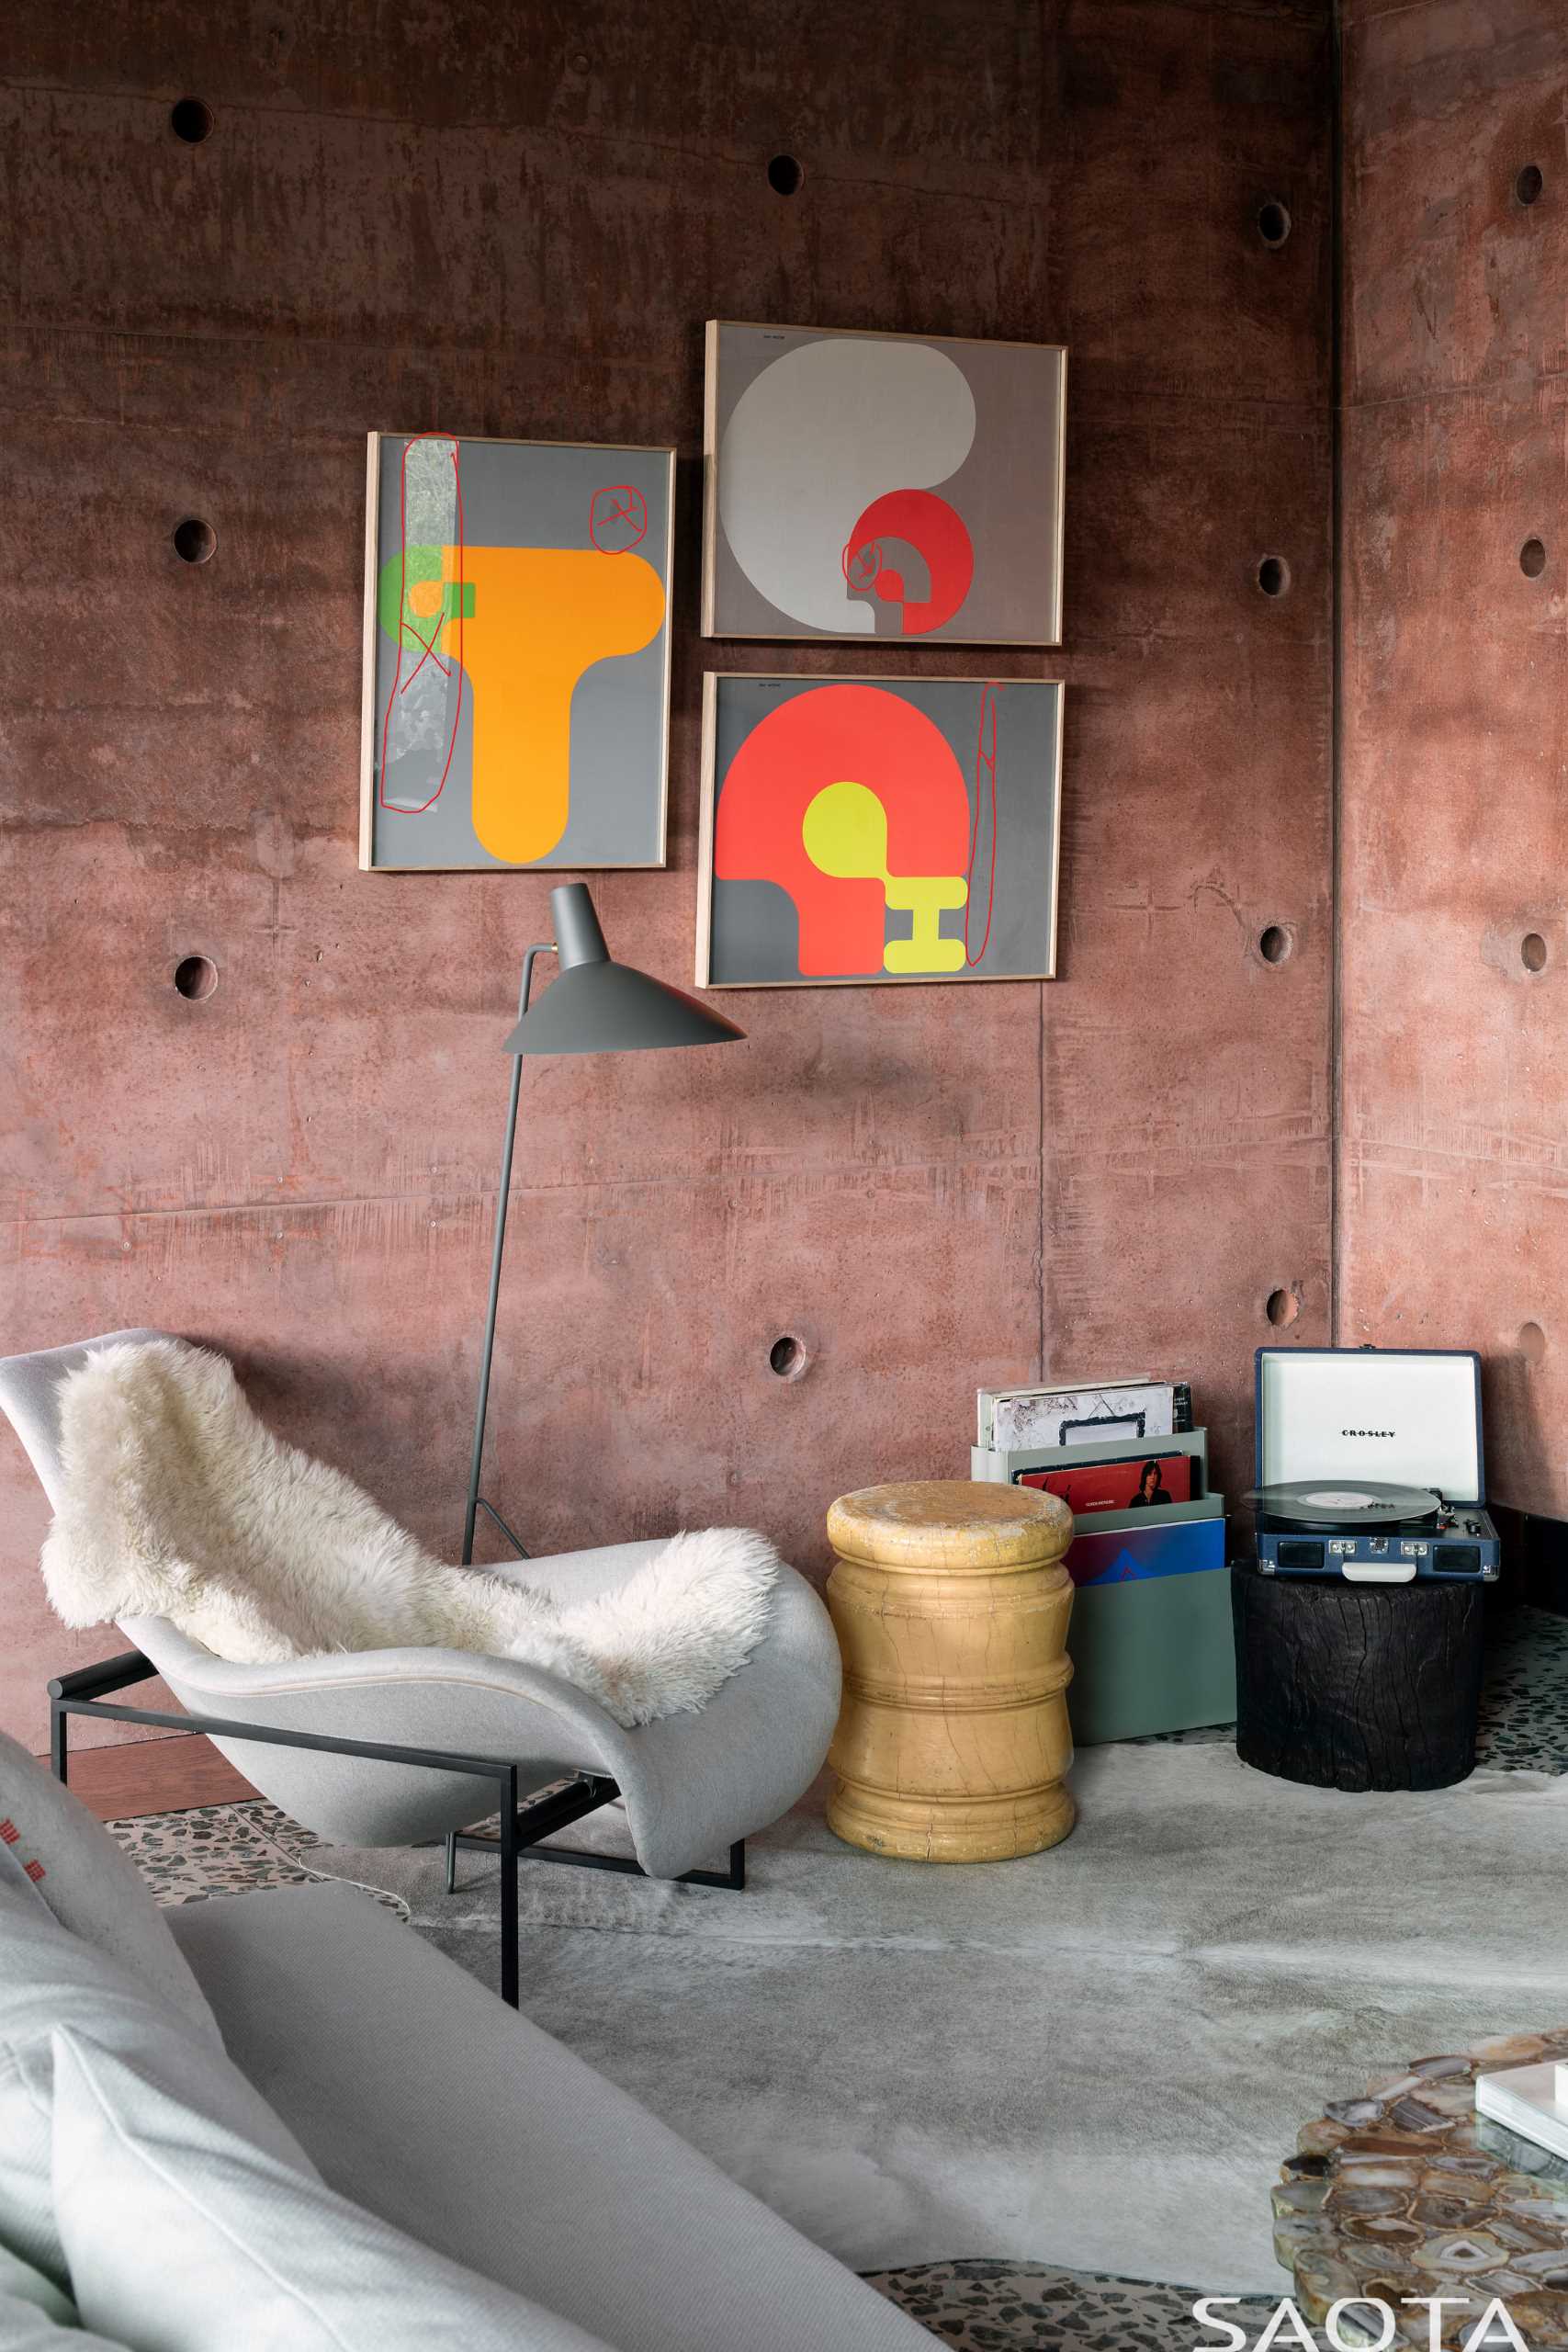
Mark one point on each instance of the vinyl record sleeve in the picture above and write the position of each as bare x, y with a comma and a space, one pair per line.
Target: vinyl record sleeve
1010, 1419
1116, 1486
987, 1465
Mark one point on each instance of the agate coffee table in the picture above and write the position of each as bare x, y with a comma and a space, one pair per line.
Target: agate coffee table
1407, 2192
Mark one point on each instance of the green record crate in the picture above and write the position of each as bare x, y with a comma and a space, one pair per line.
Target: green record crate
1152, 1654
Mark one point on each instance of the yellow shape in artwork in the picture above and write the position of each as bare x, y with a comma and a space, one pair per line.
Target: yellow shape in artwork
538, 618
844, 832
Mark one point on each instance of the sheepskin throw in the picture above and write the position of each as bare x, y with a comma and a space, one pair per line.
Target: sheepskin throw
177, 1503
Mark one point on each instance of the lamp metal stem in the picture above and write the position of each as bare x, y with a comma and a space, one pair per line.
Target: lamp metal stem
543, 947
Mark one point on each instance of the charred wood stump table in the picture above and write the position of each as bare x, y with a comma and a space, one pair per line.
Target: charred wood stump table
1356, 1685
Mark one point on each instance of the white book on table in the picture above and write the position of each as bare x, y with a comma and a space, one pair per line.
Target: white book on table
1531, 2100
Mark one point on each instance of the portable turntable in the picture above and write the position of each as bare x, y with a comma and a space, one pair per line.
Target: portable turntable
1370, 1466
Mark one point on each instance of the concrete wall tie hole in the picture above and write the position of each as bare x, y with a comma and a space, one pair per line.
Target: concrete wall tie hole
1529, 184
1273, 223
788, 1357
1532, 1342
191, 120
196, 977
1532, 952
1274, 944
785, 173
1274, 575
1282, 1307
1532, 559
195, 541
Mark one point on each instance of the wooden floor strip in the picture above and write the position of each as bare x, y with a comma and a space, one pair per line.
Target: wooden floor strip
153, 1775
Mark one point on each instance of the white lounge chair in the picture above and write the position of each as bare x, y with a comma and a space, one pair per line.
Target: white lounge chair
398, 1746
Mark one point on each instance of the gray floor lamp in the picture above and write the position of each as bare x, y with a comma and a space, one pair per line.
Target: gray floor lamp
596, 1006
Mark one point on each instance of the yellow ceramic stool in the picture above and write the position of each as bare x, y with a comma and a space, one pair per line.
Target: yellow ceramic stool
950, 1605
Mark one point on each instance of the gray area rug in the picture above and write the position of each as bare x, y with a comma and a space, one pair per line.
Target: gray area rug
1094, 2058
971, 2303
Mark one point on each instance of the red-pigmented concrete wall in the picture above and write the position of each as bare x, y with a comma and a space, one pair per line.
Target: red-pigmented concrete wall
1454, 1202
511, 217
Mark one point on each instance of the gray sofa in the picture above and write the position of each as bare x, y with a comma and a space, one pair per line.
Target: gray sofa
413, 2091
419, 2094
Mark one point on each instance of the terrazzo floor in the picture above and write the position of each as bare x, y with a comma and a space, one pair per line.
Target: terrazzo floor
974, 2306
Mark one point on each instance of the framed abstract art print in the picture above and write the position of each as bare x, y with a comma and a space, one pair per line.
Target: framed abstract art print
516, 694
874, 831
901, 487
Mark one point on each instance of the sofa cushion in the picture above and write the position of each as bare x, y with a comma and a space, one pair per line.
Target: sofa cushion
89, 1884
50, 1979
180, 2233
421, 2096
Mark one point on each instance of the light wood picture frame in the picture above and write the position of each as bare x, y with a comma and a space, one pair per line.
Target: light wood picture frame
905, 489
878, 831
515, 708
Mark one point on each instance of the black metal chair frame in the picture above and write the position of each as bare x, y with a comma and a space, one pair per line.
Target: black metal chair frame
520, 1826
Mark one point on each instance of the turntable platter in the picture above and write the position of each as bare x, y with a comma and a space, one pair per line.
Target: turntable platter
1344, 1502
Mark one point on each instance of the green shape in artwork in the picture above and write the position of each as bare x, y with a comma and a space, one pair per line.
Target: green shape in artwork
412, 592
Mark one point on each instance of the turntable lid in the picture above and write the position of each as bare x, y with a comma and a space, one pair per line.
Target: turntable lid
1409, 1415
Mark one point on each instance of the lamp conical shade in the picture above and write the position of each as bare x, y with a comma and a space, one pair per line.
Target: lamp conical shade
597, 1006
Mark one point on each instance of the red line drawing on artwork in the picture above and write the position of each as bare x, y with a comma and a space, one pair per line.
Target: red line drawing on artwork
430, 653
860, 564
618, 501
985, 763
